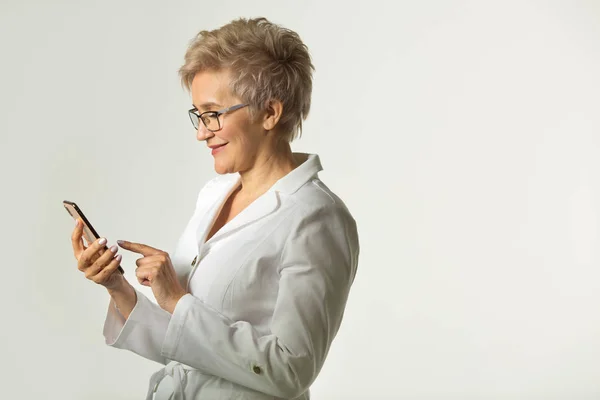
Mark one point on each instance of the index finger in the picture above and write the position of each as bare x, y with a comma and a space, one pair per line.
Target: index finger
140, 248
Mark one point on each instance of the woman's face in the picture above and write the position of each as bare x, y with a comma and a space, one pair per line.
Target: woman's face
243, 137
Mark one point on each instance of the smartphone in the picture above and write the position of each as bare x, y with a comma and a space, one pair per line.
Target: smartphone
88, 230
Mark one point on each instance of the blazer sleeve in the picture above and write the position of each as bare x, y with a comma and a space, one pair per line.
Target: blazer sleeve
317, 268
142, 333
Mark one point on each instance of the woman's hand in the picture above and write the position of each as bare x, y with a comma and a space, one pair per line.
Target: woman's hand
156, 270
94, 261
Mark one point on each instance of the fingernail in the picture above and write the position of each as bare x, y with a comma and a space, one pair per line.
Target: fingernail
76, 222
102, 241
114, 249
120, 242
118, 257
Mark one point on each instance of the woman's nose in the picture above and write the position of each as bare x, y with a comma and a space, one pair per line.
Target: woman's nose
203, 133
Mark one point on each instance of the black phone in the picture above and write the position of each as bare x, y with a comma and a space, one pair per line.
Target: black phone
88, 230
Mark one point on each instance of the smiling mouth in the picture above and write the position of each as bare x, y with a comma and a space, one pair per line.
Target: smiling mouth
216, 149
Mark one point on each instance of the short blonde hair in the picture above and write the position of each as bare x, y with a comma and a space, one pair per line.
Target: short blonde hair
266, 62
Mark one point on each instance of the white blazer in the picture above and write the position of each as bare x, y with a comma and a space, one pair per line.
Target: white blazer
266, 294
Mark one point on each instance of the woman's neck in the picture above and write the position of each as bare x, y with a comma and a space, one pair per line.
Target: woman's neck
268, 169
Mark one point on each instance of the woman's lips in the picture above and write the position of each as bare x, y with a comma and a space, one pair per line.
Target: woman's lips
217, 149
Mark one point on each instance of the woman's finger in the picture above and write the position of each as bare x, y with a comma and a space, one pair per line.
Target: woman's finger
149, 260
145, 274
91, 254
108, 270
101, 262
144, 282
77, 239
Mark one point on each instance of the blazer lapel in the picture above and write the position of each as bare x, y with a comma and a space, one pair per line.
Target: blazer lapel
206, 220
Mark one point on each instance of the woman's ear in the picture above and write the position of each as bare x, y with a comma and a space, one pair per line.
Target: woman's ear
273, 112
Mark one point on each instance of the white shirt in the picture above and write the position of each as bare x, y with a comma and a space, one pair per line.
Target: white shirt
266, 294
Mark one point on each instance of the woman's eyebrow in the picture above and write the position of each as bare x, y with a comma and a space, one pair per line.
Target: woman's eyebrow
206, 105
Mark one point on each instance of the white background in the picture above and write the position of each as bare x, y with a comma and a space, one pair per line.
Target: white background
462, 135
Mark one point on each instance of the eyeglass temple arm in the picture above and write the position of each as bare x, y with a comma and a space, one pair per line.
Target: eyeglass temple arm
232, 108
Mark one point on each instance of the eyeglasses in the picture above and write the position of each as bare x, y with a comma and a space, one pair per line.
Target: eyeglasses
211, 119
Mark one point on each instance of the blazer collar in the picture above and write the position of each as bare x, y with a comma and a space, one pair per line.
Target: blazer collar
310, 165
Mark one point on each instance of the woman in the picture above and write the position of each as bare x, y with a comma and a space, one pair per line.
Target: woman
254, 292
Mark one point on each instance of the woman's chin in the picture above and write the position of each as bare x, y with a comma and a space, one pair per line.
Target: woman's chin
221, 169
